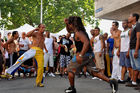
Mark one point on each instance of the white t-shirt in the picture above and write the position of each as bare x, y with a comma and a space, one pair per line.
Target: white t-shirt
125, 41
25, 42
97, 44
49, 45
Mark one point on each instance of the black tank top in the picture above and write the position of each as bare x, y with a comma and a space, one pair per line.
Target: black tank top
79, 45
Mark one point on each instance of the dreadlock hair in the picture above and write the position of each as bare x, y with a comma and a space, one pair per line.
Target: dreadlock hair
77, 23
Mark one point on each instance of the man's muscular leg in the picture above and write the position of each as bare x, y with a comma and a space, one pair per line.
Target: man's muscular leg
71, 76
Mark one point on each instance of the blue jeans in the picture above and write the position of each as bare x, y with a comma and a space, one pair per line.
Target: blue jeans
135, 62
124, 61
86, 55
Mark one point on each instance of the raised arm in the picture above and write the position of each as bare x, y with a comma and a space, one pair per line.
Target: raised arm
29, 34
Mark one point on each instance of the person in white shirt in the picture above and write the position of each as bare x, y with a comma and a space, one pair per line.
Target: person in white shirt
48, 56
124, 51
98, 50
23, 43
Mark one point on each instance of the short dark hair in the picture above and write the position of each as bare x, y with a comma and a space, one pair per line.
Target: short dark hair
9, 33
97, 28
116, 23
106, 33
136, 15
14, 33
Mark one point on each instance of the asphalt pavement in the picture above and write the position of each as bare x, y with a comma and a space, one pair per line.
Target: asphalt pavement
58, 85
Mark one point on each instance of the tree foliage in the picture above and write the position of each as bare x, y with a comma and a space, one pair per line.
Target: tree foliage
18, 12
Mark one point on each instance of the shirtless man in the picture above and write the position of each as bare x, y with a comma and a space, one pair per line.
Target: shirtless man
116, 72
35, 51
83, 55
10, 46
116, 34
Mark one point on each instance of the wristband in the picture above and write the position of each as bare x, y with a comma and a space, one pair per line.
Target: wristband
80, 55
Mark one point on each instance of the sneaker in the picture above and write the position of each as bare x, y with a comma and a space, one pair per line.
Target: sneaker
95, 78
8, 76
70, 90
3, 76
51, 75
57, 73
128, 79
40, 85
121, 82
114, 85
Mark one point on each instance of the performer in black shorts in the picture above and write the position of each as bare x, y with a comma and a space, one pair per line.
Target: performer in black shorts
83, 56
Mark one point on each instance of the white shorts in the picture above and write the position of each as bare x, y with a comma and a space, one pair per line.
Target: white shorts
48, 58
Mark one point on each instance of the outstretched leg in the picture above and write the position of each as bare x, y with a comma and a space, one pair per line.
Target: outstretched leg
27, 55
113, 82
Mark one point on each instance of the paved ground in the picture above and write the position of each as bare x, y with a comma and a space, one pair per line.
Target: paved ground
57, 85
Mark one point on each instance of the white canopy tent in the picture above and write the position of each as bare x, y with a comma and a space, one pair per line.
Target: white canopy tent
25, 28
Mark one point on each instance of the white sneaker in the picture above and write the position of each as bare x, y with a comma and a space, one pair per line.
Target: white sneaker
51, 74
94, 78
57, 73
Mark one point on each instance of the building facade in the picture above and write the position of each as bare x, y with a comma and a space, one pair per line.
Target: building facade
116, 9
